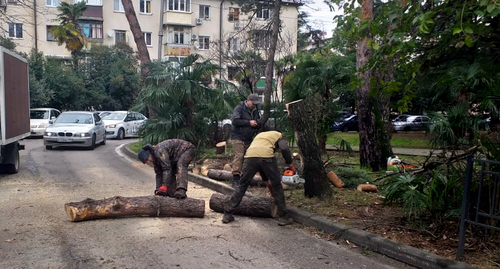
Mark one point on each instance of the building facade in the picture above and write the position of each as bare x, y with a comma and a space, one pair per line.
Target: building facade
215, 29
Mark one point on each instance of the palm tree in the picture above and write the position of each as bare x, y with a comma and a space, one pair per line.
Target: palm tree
183, 101
68, 31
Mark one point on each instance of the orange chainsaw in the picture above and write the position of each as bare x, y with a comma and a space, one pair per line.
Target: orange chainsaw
291, 178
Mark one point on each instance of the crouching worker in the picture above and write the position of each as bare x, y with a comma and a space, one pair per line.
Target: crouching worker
260, 158
171, 159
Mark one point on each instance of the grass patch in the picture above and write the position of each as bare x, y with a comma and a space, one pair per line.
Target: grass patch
136, 146
399, 140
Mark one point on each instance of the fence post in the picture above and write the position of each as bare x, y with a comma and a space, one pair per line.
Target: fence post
465, 204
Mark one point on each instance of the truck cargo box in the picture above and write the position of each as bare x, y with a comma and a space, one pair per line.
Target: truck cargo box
14, 97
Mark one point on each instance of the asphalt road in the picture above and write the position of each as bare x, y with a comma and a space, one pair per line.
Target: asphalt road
36, 233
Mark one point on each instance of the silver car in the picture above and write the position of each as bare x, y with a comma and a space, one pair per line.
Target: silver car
75, 129
412, 123
121, 124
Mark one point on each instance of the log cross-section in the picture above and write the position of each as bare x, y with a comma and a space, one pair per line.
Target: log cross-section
150, 206
253, 206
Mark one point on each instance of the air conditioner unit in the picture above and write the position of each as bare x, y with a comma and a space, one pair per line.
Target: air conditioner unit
194, 37
199, 21
237, 25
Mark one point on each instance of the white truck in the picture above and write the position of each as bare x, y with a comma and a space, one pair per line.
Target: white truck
14, 108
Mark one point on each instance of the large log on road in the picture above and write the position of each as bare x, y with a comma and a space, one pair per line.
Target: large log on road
254, 206
150, 206
223, 175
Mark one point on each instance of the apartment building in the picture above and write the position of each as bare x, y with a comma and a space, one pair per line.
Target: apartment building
215, 29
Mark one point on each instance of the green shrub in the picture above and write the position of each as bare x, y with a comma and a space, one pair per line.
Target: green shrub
352, 177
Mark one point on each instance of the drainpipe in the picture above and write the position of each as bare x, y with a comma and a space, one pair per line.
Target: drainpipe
36, 25
160, 32
220, 36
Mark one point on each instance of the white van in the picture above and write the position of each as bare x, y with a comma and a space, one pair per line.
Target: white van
39, 119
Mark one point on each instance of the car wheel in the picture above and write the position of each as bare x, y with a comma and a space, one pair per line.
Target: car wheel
407, 128
48, 147
92, 146
121, 134
103, 141
345, 129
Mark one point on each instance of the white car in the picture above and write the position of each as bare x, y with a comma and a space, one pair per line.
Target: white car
121, 124
39, 119
75, 129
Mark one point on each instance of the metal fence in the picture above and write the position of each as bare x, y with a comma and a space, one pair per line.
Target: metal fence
487, 188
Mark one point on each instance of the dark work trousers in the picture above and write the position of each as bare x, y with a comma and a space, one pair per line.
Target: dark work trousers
179, 172
268, 168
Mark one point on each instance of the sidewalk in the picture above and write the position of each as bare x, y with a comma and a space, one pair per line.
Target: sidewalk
407, 254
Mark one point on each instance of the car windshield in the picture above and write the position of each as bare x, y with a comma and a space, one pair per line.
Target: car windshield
76, 118
39, 114
401, 118
115, 116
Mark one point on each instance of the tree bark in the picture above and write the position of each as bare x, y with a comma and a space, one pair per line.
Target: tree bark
150, 206
268, 90
253, 206
135, 28
223, 175
300, 116
365, 118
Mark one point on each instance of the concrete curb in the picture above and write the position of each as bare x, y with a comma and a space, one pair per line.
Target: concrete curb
407, 254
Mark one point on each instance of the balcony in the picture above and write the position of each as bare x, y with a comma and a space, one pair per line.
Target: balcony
177, 18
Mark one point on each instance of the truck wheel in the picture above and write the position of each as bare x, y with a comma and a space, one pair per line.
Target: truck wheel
13, 168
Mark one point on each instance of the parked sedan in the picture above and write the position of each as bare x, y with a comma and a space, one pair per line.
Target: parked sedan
349, 123
412, 123
39, 119
121, 124
75, 129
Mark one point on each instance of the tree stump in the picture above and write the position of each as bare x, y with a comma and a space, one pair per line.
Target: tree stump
149, 206
223, 175
220, 147
300, 116
253, 206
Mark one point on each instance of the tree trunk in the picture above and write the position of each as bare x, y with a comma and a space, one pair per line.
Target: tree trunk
253, 206
150, 206
268, 90
300, 116
365, 118
223, 175
135, 28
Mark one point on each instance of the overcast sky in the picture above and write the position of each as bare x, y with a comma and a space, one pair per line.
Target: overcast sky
320, 16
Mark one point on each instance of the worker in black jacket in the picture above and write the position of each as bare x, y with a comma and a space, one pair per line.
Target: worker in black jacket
245, 123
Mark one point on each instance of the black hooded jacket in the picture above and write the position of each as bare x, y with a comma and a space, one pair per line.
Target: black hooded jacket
241, 129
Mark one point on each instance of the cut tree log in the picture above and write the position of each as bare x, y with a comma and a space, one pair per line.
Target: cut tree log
223, 175
220, 147
150, 206
253, 206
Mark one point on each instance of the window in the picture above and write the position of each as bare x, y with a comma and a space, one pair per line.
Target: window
92, 29
179, 5
118, 6
261, 40
175, 61
234, 14
263, 13
120, 36
204, 12
16, 30
231, 72
52, 3
204, 42
178, 35
12, 2
145, 6
234, 44
50, 36
147, 39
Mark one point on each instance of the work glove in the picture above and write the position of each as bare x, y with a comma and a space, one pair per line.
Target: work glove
292, 167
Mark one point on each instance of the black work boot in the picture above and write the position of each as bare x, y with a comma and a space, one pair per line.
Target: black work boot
236, 180
285, 220
227, 218
180, 194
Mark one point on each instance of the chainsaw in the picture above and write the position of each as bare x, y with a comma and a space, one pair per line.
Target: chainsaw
291, 178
